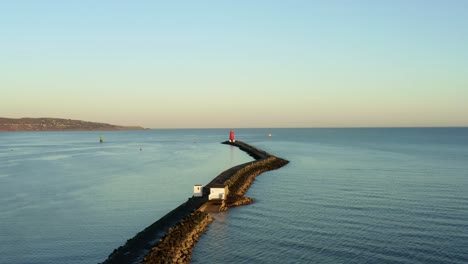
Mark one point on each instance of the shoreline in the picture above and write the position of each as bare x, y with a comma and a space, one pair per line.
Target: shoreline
57, 124
174, 235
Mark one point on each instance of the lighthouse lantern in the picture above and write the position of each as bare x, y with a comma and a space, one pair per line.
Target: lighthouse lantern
231, 136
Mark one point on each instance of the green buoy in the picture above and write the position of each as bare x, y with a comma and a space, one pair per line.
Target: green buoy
101, 139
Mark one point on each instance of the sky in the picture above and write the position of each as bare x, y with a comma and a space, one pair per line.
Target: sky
234, 64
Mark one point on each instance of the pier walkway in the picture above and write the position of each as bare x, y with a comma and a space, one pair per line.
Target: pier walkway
136, 248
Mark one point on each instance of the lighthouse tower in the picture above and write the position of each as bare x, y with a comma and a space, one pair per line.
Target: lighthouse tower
231, 136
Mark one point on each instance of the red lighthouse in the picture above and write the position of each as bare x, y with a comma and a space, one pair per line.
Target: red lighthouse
231, 136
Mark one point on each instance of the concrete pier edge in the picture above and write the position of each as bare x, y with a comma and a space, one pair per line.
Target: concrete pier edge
171, 239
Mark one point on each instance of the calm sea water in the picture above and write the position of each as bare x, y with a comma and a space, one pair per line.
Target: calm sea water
348, 195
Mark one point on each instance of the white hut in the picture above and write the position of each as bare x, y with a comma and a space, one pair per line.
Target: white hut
218, 192
198, 190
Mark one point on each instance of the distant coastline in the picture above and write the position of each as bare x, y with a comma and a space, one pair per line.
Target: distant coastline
57, 124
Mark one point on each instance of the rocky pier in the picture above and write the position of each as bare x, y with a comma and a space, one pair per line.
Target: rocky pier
171, 239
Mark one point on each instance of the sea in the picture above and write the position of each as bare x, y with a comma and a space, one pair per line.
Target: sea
348, 195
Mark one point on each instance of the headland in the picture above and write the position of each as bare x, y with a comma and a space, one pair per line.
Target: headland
171, 239
57, 124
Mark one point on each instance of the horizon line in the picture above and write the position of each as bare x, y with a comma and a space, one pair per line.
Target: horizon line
325, 127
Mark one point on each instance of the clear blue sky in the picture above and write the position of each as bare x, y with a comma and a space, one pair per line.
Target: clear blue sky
171, 64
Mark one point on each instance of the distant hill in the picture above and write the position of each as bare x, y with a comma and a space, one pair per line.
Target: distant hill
56, 124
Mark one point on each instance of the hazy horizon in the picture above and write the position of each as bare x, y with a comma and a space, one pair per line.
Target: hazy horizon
329, 127
219, 64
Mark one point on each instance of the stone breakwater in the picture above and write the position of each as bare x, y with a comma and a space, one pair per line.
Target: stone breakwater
240, 182
177, 245
171, 239
141, 244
